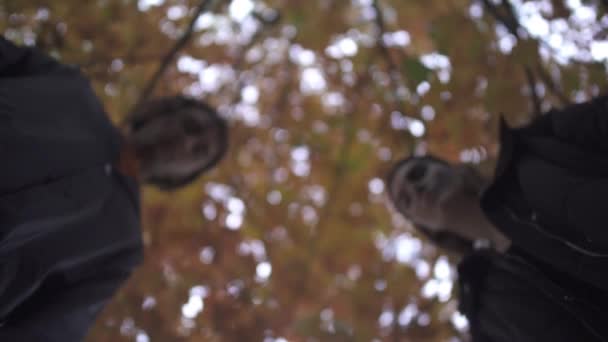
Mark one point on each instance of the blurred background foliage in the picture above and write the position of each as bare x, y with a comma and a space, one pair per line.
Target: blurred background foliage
291, 237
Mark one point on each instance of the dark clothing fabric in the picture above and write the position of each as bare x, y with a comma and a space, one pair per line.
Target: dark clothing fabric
549, 192
507, 298
51, 122
69, 222
548, 197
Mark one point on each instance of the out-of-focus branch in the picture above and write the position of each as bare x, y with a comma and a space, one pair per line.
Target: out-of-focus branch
267, 22
532, 84
381, 30
393, 69
554, 88
237, 182
170, 56
509, 20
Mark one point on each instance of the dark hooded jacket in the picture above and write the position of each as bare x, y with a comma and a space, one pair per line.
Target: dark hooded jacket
549, 197
511, 297
69, 222
550, 191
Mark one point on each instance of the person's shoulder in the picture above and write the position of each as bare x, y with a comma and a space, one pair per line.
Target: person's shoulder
472, 272
508, 297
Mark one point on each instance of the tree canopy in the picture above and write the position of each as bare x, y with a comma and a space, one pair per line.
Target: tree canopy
291, 238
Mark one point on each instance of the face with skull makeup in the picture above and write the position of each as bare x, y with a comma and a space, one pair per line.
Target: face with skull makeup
175, 139
442, 200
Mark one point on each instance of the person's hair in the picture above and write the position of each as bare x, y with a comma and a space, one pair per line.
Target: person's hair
175, 106
443, 239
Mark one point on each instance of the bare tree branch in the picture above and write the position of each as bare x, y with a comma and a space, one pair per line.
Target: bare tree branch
510, 18
238, 63
237, 181
507, 20
170, 56
381, 30
510, 22
393, 69
554, 88
532, 84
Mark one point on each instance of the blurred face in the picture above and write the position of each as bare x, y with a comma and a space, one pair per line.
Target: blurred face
423, 189
443, 199
176, 146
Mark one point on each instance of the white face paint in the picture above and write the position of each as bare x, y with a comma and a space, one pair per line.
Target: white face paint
175, 139
182, 156
442, 197
421, 188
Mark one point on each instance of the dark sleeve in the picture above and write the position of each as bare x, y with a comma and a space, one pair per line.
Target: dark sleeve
584, 125
18, 61
503, 303
62, 312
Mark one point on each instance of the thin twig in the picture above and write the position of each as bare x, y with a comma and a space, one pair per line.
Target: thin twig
237, 181
554, 88
511, 23
170, 56
381, 30
238, 63
511, 20
393, 70
532, 84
